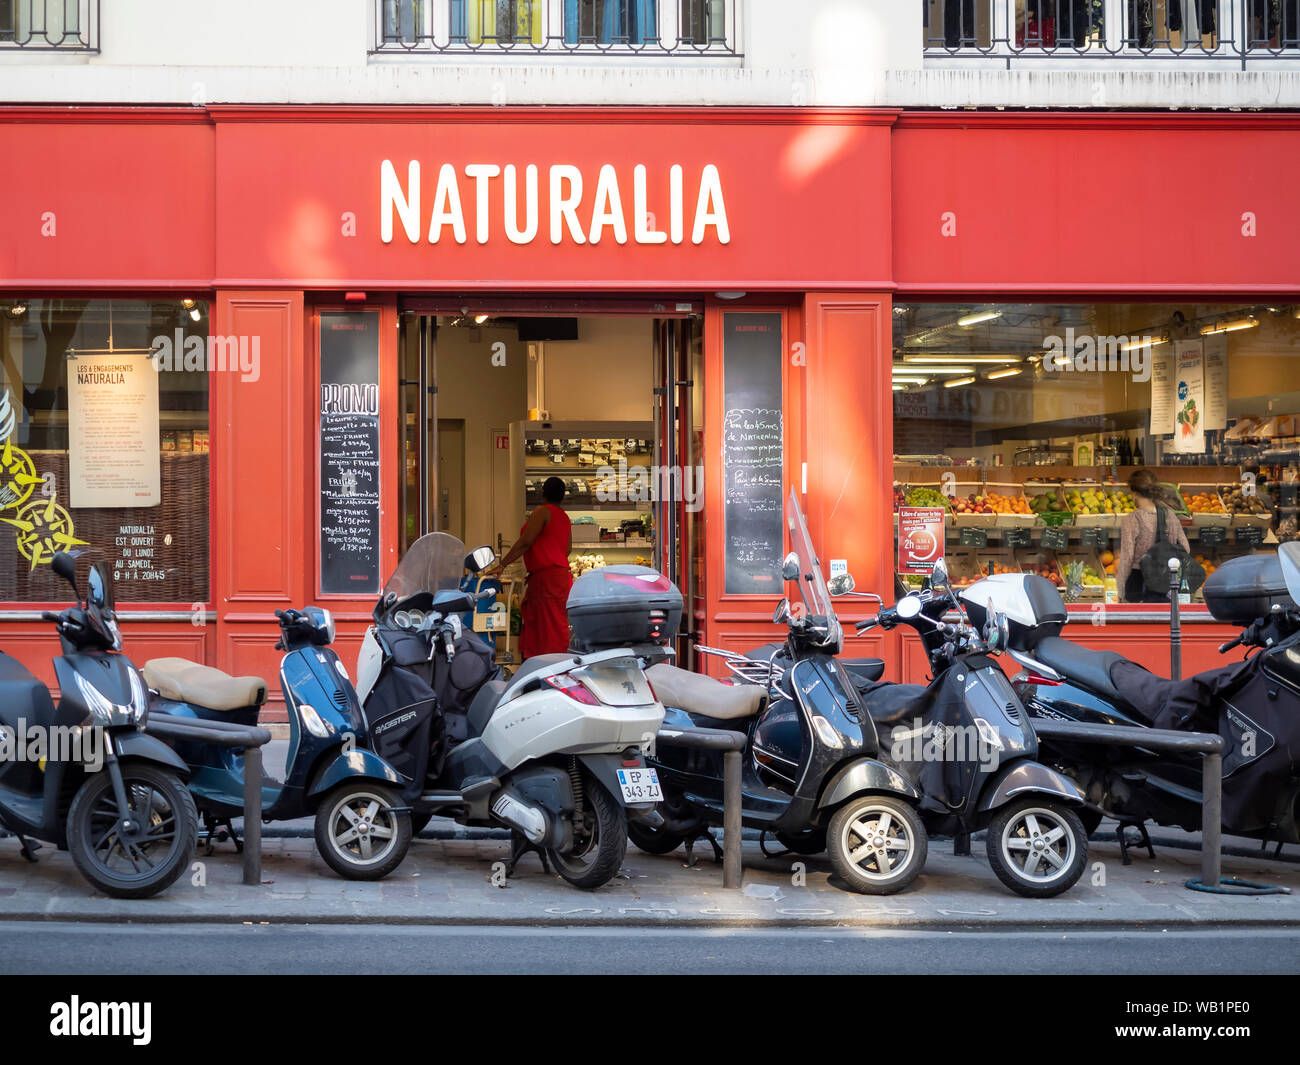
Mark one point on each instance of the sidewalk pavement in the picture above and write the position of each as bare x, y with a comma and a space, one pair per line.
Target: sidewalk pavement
449, 881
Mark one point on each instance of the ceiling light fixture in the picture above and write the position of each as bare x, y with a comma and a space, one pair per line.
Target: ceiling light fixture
1143, 342
998, 374
479, 319
982, 360
1231, 325
958, 382
975, 317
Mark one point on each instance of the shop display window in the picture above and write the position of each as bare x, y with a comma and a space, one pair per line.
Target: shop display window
1023, 424
104, 444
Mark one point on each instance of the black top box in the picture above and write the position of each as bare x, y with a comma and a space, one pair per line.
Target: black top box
1246, 588
622, 606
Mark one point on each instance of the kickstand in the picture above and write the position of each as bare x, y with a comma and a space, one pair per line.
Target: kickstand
961, 844
519, 846
28, 847
1145, 840
690, 847
218, 831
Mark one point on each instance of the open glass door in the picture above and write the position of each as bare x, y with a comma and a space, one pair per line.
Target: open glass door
417, 430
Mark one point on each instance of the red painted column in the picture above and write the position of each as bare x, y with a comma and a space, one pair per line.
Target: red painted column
261, 456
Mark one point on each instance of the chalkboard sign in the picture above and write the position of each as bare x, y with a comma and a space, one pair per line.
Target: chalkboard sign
1017, 538
349, 453
1057, 539
1251, 535
971, 537
1209, 535
1097, 537
753, 452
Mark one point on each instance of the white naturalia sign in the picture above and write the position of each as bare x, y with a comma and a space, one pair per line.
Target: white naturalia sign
572, 213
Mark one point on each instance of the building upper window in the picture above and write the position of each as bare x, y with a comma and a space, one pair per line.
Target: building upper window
49, 25
660, 27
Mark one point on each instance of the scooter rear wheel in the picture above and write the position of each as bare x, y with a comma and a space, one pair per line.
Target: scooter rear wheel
142, 860
877, 844
360, 831
600, 841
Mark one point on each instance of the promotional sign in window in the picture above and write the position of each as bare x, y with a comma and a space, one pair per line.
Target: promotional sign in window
920, 538
113, 448
1189, 392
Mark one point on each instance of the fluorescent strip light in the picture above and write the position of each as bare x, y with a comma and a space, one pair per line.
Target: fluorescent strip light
904, 381
998, 374
975, 317
957, 382
1231, 326
1133, 345
479, 319
899, 388
932, 370
982, 360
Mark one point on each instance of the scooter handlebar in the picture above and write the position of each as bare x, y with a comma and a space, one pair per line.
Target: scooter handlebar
50, 615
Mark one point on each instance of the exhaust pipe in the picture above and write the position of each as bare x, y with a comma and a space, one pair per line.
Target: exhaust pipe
519, 815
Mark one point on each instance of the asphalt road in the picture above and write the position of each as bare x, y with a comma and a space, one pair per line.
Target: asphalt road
82, 948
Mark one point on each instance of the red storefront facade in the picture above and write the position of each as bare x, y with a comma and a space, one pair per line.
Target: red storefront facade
826, 219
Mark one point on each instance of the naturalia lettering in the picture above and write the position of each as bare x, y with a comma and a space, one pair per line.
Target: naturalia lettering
494, 199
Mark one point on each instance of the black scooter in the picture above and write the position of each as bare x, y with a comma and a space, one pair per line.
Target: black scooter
1254, 704
812, 773
96, 785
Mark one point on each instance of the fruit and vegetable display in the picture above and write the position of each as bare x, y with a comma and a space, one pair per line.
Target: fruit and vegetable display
1096, 500
1204, 502
1206, 564
1045, 503
920, 496
579, 565
1236, 501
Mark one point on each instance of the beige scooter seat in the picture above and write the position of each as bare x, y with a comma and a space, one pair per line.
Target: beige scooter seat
184, 681
697, 694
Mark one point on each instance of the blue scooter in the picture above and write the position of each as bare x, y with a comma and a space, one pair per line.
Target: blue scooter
363, 829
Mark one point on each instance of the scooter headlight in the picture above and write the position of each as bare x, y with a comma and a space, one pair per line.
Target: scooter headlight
312, 722
108, 713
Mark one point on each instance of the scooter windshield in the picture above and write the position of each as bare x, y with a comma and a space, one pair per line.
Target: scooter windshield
434, 562
811, 581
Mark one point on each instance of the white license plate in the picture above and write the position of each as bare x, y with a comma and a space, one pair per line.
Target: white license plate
640, 785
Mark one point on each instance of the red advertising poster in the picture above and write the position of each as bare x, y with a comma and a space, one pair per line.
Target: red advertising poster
920, 538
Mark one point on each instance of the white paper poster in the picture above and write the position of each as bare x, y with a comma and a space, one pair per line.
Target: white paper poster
1216, 382
1189, 420
1162, 390
113, 443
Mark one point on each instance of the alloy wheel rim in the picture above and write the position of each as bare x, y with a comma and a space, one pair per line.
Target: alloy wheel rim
363, 829
1038, 845
884, 844
128, 848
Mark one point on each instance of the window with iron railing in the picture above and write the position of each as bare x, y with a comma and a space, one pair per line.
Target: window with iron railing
1112, 28
661, 27
49, 25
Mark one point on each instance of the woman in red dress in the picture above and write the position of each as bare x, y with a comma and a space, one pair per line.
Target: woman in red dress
545, 542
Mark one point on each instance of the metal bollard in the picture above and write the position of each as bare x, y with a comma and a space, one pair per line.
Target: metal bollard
1211, 817
732, 871
252, 815
1175, 621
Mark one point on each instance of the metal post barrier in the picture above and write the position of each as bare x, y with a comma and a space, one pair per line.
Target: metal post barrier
731, 744
1168, 741
228, 734
1175, 620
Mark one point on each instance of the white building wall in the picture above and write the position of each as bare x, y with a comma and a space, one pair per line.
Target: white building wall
829, 53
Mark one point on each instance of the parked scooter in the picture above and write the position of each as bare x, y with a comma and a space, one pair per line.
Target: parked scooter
363, 829
552, 754
102, 789
1253, 704
813, 769
967, 741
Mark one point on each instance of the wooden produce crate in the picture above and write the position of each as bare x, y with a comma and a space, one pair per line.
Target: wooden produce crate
967, 519
1195, 496
1081, 497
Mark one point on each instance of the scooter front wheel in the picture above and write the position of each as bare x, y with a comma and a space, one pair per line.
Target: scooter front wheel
1037, 848
599, 840
137, 855
877, 844
361, 832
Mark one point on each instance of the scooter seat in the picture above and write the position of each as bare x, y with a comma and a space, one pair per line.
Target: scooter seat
867, 669
484, 705
697, 694
1092, 669
184, 681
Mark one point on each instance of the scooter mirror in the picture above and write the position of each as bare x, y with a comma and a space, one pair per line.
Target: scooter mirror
1289, 557
99, 587
908, 607
480, 559
939, 574
790, 567
65, 565
840, 584
782, 612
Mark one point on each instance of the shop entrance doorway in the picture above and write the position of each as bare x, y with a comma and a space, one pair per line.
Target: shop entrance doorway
605, 396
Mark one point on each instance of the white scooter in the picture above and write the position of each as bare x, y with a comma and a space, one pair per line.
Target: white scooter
553, 754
